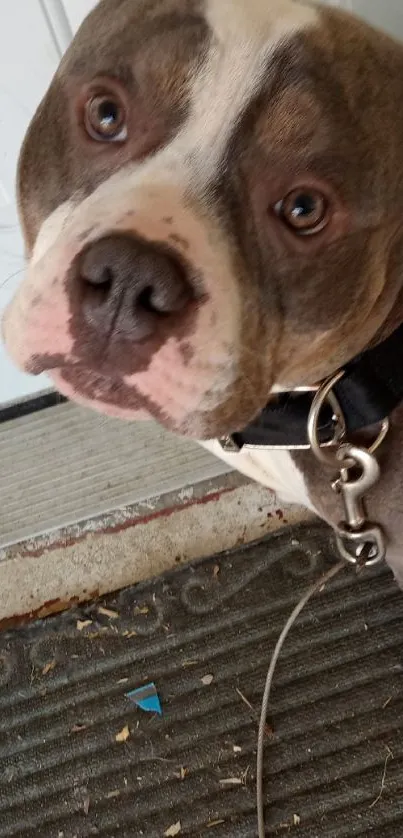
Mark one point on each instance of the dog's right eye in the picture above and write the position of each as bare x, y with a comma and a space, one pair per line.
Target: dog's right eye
105, 119
305, 211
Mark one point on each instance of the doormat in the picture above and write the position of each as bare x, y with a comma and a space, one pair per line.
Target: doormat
137, 714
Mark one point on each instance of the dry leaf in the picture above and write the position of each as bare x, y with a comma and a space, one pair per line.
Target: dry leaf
245, 775
296, 820
82, 624
86, 805
231, 781
216, 570
214, 823
173, 830
48, 667
237, 749
106, 612
78, 728
207, 680
142, 610
123, 735
112, 794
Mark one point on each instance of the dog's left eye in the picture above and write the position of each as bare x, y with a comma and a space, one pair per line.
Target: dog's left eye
105, 119
305, 211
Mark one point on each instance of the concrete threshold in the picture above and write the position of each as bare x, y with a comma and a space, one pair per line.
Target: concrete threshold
90, 506
49, 573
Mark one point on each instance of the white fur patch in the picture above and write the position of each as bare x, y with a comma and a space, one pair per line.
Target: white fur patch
245, 35
274, 468
50, 231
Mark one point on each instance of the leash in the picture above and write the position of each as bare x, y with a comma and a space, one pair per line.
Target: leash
322, 419
314, 589
359, 541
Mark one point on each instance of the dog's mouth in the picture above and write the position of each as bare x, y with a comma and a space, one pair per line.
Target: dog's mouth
175, 404
109, 394
198, 398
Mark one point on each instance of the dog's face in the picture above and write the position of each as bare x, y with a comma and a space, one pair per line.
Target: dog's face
211, 196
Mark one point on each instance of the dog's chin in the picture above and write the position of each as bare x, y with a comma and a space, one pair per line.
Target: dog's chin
116, 399
81, 385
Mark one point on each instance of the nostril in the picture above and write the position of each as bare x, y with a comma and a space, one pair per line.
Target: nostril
167, 294
145, 301
99, 277
105, 277
169, 291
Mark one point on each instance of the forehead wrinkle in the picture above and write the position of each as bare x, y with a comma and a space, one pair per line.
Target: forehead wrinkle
243, 38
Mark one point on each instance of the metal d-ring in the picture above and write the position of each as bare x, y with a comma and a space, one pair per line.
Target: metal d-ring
327, 454
325, 394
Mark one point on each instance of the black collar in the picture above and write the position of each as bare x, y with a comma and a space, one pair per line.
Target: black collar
369, 390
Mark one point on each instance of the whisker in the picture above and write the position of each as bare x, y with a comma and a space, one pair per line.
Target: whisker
11, 276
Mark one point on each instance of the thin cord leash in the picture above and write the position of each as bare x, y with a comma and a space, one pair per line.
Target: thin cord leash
314, 589
360, 542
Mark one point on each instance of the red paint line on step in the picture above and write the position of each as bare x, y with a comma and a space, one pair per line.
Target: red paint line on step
213, 497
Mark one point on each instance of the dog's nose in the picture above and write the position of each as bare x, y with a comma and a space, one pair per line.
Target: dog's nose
129, 287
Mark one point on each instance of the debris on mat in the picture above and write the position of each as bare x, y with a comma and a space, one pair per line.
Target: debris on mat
146, 698
173, 830
123, 734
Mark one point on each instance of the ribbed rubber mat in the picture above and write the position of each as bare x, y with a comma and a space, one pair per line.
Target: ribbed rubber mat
78, 758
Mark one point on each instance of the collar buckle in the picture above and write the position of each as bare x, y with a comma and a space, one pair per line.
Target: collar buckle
229, 445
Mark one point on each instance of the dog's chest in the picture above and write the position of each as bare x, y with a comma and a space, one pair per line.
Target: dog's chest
273, 468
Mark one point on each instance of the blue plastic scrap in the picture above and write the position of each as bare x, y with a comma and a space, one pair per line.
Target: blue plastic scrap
146, 698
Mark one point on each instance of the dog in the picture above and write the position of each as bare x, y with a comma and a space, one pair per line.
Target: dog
211, 195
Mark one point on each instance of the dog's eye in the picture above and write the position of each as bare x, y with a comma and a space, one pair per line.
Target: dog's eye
105, 119
305, 211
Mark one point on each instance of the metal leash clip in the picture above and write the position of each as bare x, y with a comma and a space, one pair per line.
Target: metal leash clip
359, 541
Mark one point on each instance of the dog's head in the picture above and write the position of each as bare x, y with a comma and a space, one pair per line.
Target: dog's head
211, 197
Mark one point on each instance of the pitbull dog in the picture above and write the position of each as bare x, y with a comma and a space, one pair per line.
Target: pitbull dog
211, 194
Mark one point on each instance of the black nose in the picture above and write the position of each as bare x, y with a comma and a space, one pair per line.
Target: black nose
130, 286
